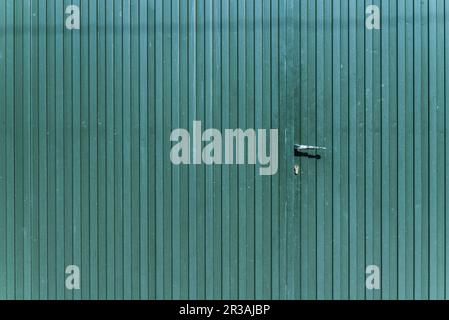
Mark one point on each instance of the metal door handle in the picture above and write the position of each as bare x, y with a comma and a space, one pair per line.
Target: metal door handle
301, 151
300, 147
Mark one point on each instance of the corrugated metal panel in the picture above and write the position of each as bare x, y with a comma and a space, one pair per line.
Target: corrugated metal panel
86, 178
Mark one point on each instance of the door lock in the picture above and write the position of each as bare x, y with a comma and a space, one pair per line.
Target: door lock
296, 169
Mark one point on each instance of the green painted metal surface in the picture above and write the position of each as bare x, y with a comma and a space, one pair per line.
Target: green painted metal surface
86, 177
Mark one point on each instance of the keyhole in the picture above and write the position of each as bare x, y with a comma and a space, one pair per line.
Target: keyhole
296, 169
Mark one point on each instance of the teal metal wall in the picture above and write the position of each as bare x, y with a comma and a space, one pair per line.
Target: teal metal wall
86, 178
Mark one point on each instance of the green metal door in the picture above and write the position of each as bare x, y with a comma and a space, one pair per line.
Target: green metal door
378, 197
86, 178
